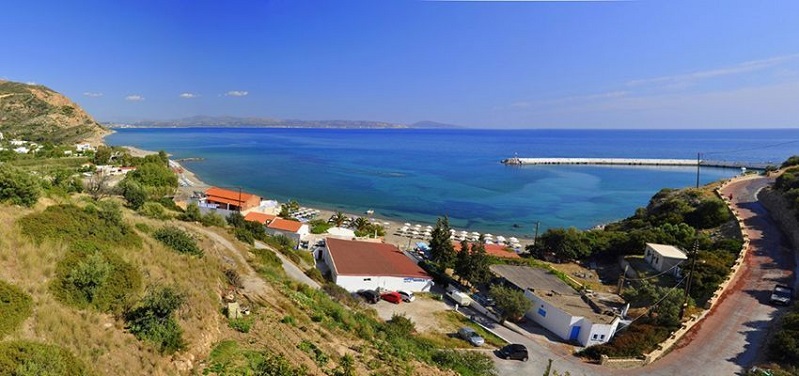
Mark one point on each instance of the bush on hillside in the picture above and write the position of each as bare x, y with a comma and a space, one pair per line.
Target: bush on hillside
100, 225
154, 210
178, 239
18, 187
15, 306
91, 277
213, 220
152, 319
25, 358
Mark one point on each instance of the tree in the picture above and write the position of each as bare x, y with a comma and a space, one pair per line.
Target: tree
192, 213
441, 249
17, 186
102, 155
152, 320
134, 194
568, 244
287, 208
98, 186
511, 302
338, 219
361, 224
472, 263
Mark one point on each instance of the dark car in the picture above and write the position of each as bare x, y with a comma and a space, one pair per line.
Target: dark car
393, 297
371, 296
514, 351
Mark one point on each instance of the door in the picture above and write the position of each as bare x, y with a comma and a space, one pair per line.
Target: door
575, 333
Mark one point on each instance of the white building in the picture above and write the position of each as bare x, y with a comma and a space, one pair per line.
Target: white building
357, 265
562, 310
664, 257
294, 230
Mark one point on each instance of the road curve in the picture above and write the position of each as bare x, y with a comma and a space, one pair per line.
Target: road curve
732, 336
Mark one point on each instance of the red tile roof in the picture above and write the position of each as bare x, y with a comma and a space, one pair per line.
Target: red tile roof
496, 250
228, 196
262, 218
285, 225
371, 259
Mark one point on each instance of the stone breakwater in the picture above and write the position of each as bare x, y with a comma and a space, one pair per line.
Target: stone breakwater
632, 162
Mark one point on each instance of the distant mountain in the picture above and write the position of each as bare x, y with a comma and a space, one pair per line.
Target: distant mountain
433, 125
231, 121
37, 113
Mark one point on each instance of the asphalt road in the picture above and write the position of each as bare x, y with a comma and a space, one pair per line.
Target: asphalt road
732, 336
292, 271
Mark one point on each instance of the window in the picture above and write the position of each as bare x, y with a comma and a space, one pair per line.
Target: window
367, 279
602, 337
594, 337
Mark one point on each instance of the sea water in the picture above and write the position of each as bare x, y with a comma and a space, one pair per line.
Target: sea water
414, 175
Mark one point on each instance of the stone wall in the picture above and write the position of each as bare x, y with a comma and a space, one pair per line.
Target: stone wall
785, 218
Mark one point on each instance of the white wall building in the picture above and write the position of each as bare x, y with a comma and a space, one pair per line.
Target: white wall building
294, 230
357, 265
664, 257
559, 308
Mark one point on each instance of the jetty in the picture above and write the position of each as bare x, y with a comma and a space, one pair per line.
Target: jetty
634, 162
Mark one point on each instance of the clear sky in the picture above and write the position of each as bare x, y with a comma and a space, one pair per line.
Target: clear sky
485, 64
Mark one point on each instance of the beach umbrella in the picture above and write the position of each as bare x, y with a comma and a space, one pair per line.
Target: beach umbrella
501, 238
464, 232
513, 240
386, 224
488, 236
429, 227
489, 242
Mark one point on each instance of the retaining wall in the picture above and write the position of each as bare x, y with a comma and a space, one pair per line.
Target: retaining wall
664, 346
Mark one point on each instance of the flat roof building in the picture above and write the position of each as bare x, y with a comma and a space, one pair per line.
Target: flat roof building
562, 310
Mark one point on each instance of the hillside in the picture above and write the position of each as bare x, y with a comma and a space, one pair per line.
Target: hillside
37, 113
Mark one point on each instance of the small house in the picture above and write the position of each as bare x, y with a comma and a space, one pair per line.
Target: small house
664, 257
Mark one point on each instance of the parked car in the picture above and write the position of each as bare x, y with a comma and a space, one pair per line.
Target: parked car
392, 296
407, 296
781, 294
371, 296
470, 335
514, 351
485, 301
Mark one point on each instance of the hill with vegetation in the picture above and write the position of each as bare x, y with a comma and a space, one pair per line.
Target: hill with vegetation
37, 113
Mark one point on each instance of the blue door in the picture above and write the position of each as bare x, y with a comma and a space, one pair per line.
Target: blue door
575, 333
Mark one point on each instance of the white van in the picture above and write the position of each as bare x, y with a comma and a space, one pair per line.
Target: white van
407, 296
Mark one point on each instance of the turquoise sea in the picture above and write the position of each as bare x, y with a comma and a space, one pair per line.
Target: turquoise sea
417, 175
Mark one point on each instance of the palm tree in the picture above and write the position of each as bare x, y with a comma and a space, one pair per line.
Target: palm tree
361, 224
338, 219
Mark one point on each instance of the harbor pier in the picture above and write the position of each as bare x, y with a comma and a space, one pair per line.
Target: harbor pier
634, 162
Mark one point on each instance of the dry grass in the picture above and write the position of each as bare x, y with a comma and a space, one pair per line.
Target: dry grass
100, 340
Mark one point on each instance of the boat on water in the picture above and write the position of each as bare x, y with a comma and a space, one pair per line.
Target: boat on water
370, 212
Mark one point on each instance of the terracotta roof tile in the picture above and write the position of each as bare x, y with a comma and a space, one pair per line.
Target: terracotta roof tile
227, 196
285, 225
374, 259
259, 217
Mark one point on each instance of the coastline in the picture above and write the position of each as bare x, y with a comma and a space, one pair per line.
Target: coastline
189, 182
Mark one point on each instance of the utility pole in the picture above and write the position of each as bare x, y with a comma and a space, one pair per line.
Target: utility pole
689, 278
698, 162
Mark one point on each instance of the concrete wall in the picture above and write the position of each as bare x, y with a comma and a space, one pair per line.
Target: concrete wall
355, 283
561, 323
595, 334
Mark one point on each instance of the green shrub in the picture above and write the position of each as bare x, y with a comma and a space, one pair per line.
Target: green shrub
177, 239
143, 227
152, 319
242, 325
15, 306
466, 363
229, 359
192, 213
315, 274
91, 277
288, 319
25, 358
314, 352
101, 225
267, 257
18, 187
154, 210
213, 220
243, 235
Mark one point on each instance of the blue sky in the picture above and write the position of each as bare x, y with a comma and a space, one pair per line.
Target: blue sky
631, 64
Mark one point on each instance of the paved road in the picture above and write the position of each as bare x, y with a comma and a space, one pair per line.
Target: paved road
730, 339
291, 269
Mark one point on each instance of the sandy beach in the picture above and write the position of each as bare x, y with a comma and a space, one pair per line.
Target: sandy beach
190, 183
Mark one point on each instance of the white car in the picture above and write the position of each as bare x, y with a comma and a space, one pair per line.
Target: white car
407, 296
470, 335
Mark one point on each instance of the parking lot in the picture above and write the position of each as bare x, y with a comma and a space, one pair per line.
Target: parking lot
421, 311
